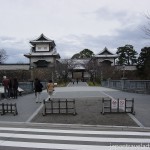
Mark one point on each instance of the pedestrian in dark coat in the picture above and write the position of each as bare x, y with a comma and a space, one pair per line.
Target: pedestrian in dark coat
38, 89
15, 88
10, 91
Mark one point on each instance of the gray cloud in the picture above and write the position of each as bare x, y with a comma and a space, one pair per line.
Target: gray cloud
73, 25
16, 55
14, 48
133, 36
71, 44
105, 13
123, 17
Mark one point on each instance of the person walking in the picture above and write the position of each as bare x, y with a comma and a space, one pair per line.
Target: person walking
15, 88
72, 81
38, 89
77, 80
5, 83
10, 89
50, 88
35, 82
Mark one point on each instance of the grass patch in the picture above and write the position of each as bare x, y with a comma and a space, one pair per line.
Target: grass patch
62, 84
93, 83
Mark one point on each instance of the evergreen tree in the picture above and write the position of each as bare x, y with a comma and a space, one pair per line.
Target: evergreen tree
127, 55
86, 53
77, 55
143, 65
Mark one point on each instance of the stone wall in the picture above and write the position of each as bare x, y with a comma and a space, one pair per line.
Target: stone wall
22, 75
44, 74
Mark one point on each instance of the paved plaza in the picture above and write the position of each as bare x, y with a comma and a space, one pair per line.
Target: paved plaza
88, 102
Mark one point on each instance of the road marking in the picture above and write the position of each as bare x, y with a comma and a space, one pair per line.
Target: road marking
69, 146
77, 131
35, 113
75, 138
78, 140
136, 120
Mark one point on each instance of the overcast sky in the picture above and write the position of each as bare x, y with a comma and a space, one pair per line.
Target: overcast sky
73, 24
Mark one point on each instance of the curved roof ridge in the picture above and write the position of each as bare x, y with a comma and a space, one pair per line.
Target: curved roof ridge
43, 37
105, 50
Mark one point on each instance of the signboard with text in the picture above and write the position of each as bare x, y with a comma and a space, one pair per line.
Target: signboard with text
122, 104
114, 104
118, 106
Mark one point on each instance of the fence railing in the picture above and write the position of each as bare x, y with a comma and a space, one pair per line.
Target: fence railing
59, 106
8, 108
138, 86
118, 106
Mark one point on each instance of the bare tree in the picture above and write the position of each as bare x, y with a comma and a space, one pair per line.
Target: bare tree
62, 68
3, 56
146, 28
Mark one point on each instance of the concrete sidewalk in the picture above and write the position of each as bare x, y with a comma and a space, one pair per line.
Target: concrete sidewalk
26, 107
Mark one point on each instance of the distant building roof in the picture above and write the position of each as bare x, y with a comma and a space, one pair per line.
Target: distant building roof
105, 53
42, 39
79, 67
74, 61
14, 66
45, 54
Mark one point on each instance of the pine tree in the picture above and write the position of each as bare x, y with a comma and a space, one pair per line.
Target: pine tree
144, 63
127, 55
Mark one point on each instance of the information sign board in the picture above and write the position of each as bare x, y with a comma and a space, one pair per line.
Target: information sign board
122, 104
114, 104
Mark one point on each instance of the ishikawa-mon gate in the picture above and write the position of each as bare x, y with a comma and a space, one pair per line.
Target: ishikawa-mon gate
79, 72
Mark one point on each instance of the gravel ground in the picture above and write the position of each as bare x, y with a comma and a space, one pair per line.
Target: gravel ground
88, 113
